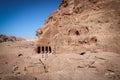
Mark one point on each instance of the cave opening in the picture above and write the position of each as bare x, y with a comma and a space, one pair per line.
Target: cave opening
77, 33
42, 49
46, 49
50, 50
38, 50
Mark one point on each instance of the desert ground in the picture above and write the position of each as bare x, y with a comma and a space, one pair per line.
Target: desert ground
85, 36
20, 61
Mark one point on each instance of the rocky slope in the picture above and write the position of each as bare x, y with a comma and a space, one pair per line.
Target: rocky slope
83, 25
18, 61
4, 38
82, 28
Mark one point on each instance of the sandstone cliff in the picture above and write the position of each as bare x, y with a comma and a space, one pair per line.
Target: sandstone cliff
83, 25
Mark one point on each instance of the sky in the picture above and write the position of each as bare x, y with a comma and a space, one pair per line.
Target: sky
22, 18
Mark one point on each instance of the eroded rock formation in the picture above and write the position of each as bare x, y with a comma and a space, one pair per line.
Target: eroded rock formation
82, 25
4, 38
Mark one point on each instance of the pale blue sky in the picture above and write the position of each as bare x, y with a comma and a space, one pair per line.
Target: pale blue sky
23, 17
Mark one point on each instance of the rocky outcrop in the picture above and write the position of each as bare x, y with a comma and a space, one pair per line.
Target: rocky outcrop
4, 38
82, 25
23, 77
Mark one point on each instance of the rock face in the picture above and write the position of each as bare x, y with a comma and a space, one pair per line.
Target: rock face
82, 25
18, 61
4, 38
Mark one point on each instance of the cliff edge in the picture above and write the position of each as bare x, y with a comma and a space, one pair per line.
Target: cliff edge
82, 25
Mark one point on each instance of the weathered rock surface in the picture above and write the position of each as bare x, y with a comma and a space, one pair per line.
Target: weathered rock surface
82, 28
19, 61
82, 25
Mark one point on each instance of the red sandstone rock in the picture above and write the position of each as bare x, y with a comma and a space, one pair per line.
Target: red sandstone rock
78, 23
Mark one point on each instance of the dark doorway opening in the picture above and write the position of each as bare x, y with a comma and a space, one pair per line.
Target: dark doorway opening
50, 50
38, 50
46, 49
43, 49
